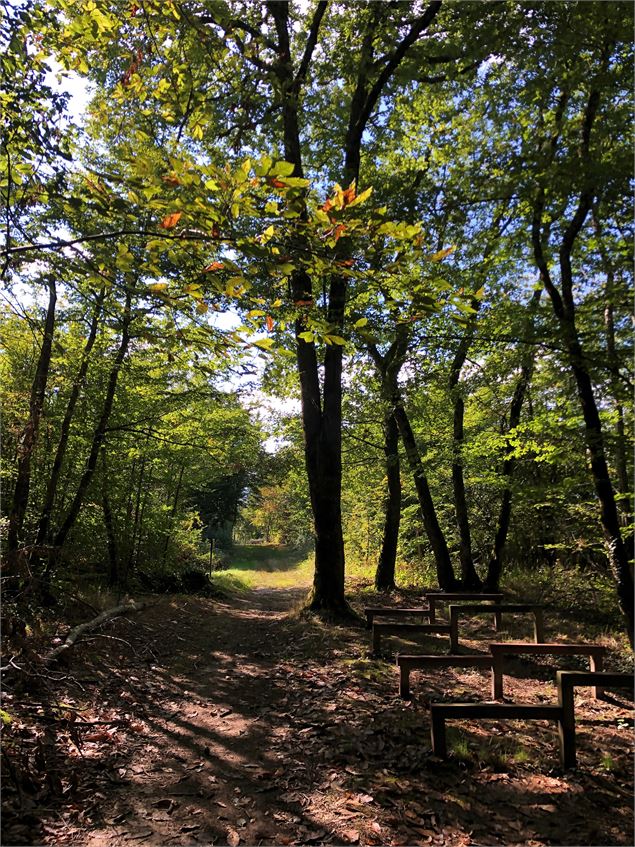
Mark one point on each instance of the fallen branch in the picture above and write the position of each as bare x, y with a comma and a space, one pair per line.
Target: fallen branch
74, 634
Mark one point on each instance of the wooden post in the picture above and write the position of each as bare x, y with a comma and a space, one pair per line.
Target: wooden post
566, 724
497, 675
437, 732
596, 663
376, 640
454, 629
404, 682
539, 626
433, 609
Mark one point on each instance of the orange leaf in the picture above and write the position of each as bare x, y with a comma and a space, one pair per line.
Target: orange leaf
349, 195
170, 221
171, 179
346, 263
303, 302
327, 206
338, 231
270, 323
276, 183
215, 266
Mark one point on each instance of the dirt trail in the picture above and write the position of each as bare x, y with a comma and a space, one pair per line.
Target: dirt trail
234, 722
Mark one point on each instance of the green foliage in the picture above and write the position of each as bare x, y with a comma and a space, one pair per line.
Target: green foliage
173, 216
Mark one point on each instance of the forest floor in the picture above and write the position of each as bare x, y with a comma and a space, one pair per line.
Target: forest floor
199, 721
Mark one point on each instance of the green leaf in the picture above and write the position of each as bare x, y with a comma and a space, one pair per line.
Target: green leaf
264, 343
361, 322
282, 169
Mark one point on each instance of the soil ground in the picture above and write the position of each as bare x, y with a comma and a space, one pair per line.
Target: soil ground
199, 721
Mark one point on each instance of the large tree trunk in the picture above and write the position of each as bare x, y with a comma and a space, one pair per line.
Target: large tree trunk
495, 565
78, 384
100, 430
385, 573
28, 439
321, 410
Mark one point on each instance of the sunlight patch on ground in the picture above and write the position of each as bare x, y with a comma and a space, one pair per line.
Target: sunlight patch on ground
269, 566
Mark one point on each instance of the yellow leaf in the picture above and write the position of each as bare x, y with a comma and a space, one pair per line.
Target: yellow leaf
437, 257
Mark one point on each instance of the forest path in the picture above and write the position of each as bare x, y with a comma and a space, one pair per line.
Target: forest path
236, 722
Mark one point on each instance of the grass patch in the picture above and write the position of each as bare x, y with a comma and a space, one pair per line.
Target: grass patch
369, 670
269, 566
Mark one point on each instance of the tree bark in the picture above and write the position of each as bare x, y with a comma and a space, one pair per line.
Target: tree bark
389, 366
175, 505
445, 572
78, 384
322, 408
564, 309
385, 573
29, 436
621, 464
495, 565
469, 578
100, 430
111, 535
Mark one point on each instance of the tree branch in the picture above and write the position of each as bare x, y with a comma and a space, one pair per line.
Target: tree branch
310, 45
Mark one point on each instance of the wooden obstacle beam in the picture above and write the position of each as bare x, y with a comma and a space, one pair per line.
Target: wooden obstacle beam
407, 663
563, 713
436, 597
472, 609
499, 650
385, 628
440, 712
373, 612
567, 681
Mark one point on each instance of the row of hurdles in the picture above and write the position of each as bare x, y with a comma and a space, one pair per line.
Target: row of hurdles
464, 605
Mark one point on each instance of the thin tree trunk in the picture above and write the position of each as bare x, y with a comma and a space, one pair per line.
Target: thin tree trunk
445, 572
111, 535
389, 366
28, 439
135, 523
564, 309
469, 578
385, 574
495, 565
175, 505
78, 384
100, 429
621, 464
